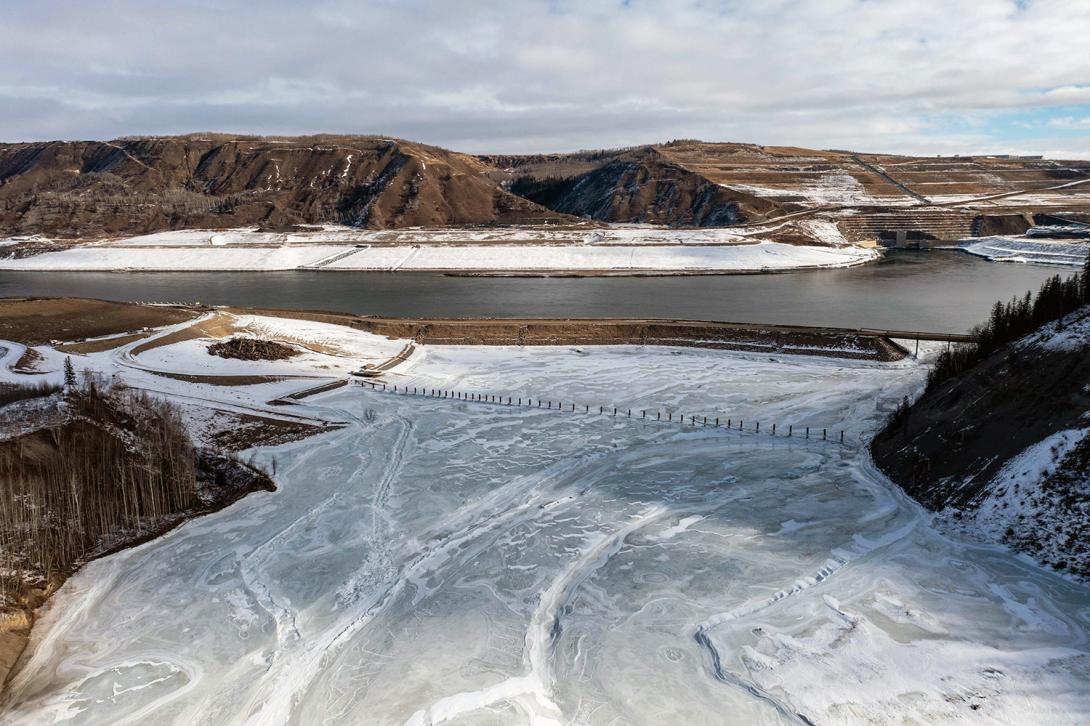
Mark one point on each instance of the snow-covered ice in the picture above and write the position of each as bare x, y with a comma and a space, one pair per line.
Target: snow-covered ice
1029, 249
444, 561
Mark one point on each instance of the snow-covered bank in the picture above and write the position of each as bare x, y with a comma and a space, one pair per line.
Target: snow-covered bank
575, 234
256, 259
770, 256
1029, 249
444, 560
1024, 508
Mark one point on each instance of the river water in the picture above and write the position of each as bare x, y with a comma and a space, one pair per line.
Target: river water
941, 291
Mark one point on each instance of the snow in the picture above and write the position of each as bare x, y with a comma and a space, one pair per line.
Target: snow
838, 189
1059, 230
825, 231
176, 259
1029, 249
219, 256
436, 559
760, 256
573, 234
1018, 508
323, 349
1068, 333
1023, 473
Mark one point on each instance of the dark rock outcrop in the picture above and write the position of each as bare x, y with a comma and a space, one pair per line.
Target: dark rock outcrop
642, 186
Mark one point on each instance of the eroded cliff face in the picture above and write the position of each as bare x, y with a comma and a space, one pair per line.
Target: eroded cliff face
92, 188
1003, 451
644, 186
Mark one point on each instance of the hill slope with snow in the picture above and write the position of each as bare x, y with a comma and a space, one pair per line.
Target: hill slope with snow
1003, 451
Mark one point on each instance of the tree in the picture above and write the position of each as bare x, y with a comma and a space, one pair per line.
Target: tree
69, 372
1086, 280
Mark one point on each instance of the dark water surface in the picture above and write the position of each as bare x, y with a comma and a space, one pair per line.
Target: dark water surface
931, 291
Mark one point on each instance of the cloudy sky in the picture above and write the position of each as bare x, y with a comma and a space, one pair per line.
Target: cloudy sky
924, 76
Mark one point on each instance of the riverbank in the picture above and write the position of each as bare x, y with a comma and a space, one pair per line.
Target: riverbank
782, 339
98, 470
604, 259
16, 626
33, 319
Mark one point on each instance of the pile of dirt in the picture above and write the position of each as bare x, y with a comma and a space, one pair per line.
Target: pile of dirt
244, 348
989, 225
246, 431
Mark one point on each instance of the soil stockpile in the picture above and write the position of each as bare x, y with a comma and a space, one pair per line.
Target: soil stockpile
243, 348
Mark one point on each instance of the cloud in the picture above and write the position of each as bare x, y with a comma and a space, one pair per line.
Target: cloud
528, 75
1070, 122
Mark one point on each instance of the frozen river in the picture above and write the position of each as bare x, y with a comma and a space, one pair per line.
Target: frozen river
441, 561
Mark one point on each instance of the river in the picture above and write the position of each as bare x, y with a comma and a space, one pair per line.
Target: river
937, 291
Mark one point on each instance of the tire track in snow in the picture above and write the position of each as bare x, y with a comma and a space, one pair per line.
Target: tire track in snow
515, 502
840, 557
391, 471
533, 691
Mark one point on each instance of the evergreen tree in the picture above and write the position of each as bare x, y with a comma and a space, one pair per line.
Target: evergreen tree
1013, 320
69, 372
1086, 281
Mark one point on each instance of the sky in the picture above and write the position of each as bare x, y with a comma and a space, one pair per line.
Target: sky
905, 76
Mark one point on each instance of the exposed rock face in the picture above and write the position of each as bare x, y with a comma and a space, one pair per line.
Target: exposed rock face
643, 186
998, 448
143, 185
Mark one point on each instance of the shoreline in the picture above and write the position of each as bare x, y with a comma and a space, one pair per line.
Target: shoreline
17, 627
669, 258
589, 331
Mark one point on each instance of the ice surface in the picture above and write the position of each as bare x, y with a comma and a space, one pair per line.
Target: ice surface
1029, 249
444, 561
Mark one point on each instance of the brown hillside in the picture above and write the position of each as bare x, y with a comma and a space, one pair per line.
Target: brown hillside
132, 186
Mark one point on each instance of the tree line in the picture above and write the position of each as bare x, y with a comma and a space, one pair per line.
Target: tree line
122, 464
1013, 320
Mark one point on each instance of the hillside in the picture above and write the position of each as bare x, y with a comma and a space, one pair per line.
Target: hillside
867, 196
141, 185
134, 186
1002, 451
645, 186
